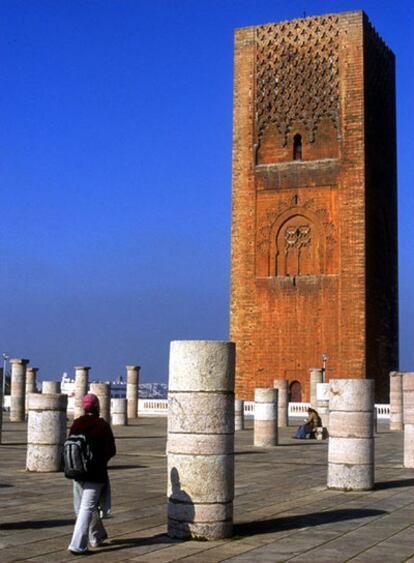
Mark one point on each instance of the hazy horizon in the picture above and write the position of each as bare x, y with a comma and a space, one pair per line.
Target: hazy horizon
115, 169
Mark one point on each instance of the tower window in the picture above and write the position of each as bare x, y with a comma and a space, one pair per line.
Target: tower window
297, 147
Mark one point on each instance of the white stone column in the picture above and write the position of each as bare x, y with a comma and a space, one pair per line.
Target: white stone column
200, 443
282, 385
322, 403
132, 390
238, 414
18, 390
408, 402
119, 412
265, 417
46, 431
81, 388
316, 376
31, 375
351, 435
103, 392
50, 386
396, 402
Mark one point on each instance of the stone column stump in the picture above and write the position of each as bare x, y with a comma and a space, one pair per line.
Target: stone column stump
396, 402
316, 376
238, 414
50, 387
46, 432
408, 401
265, 417
322, 403
119, 412
132, 390
31, 375
200, 444
81, 388
18, 390
282, 386
103, 392
351, 441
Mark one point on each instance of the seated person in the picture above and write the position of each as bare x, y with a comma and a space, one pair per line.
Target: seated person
309, 428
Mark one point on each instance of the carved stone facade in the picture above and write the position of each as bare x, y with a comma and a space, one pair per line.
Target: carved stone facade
312, 210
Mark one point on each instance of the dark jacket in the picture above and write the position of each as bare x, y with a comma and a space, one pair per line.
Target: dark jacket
101, 441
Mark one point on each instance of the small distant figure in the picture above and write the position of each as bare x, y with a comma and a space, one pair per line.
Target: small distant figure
93, 490
309, 428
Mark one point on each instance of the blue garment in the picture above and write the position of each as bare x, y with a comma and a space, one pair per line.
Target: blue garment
301, 432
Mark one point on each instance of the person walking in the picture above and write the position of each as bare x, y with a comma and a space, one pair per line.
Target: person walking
94, 490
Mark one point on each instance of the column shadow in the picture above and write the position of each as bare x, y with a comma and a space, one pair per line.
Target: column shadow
303, 521
394, 484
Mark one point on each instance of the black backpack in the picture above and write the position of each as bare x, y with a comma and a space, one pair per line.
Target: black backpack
77, 456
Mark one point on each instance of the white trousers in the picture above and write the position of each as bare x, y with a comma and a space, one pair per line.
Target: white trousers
88, 525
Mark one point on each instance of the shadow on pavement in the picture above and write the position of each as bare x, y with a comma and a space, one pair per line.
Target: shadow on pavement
14, 444
250, 453
394, 484
116, 467
138, 437
158, 539
36, 524
303, 521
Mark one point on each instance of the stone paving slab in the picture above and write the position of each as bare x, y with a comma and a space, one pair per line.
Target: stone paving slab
283, 511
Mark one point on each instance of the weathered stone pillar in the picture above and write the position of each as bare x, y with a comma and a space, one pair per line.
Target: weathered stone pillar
316, 376
132, 390
50, 386
282, 385
18, 390
322, 403
31, 375
265, 417
408, 401
81, 388
351, 437
46, 431
103, 392
238, 414
396, 401
2, 374
119, 412
201, 439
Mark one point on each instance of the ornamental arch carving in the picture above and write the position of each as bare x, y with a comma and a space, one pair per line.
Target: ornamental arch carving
296, 245
295, 242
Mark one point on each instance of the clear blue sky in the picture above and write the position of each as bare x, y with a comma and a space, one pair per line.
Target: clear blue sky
115, 171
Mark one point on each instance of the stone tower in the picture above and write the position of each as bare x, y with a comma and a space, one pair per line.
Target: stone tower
314, 232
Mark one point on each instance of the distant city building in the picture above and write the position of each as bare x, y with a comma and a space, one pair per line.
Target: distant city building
118, 388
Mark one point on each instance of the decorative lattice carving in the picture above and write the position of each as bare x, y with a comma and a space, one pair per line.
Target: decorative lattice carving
297, 237
297, 74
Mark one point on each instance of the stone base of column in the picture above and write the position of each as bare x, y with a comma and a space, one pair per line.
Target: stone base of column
119, 412
238, 414
265, 435
396, 426
44, 458
409, 445
346, 477
181, 523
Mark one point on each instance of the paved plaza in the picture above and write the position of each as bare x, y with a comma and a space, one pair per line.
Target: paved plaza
282, 509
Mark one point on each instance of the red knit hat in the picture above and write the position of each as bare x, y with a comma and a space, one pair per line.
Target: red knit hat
90, 403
